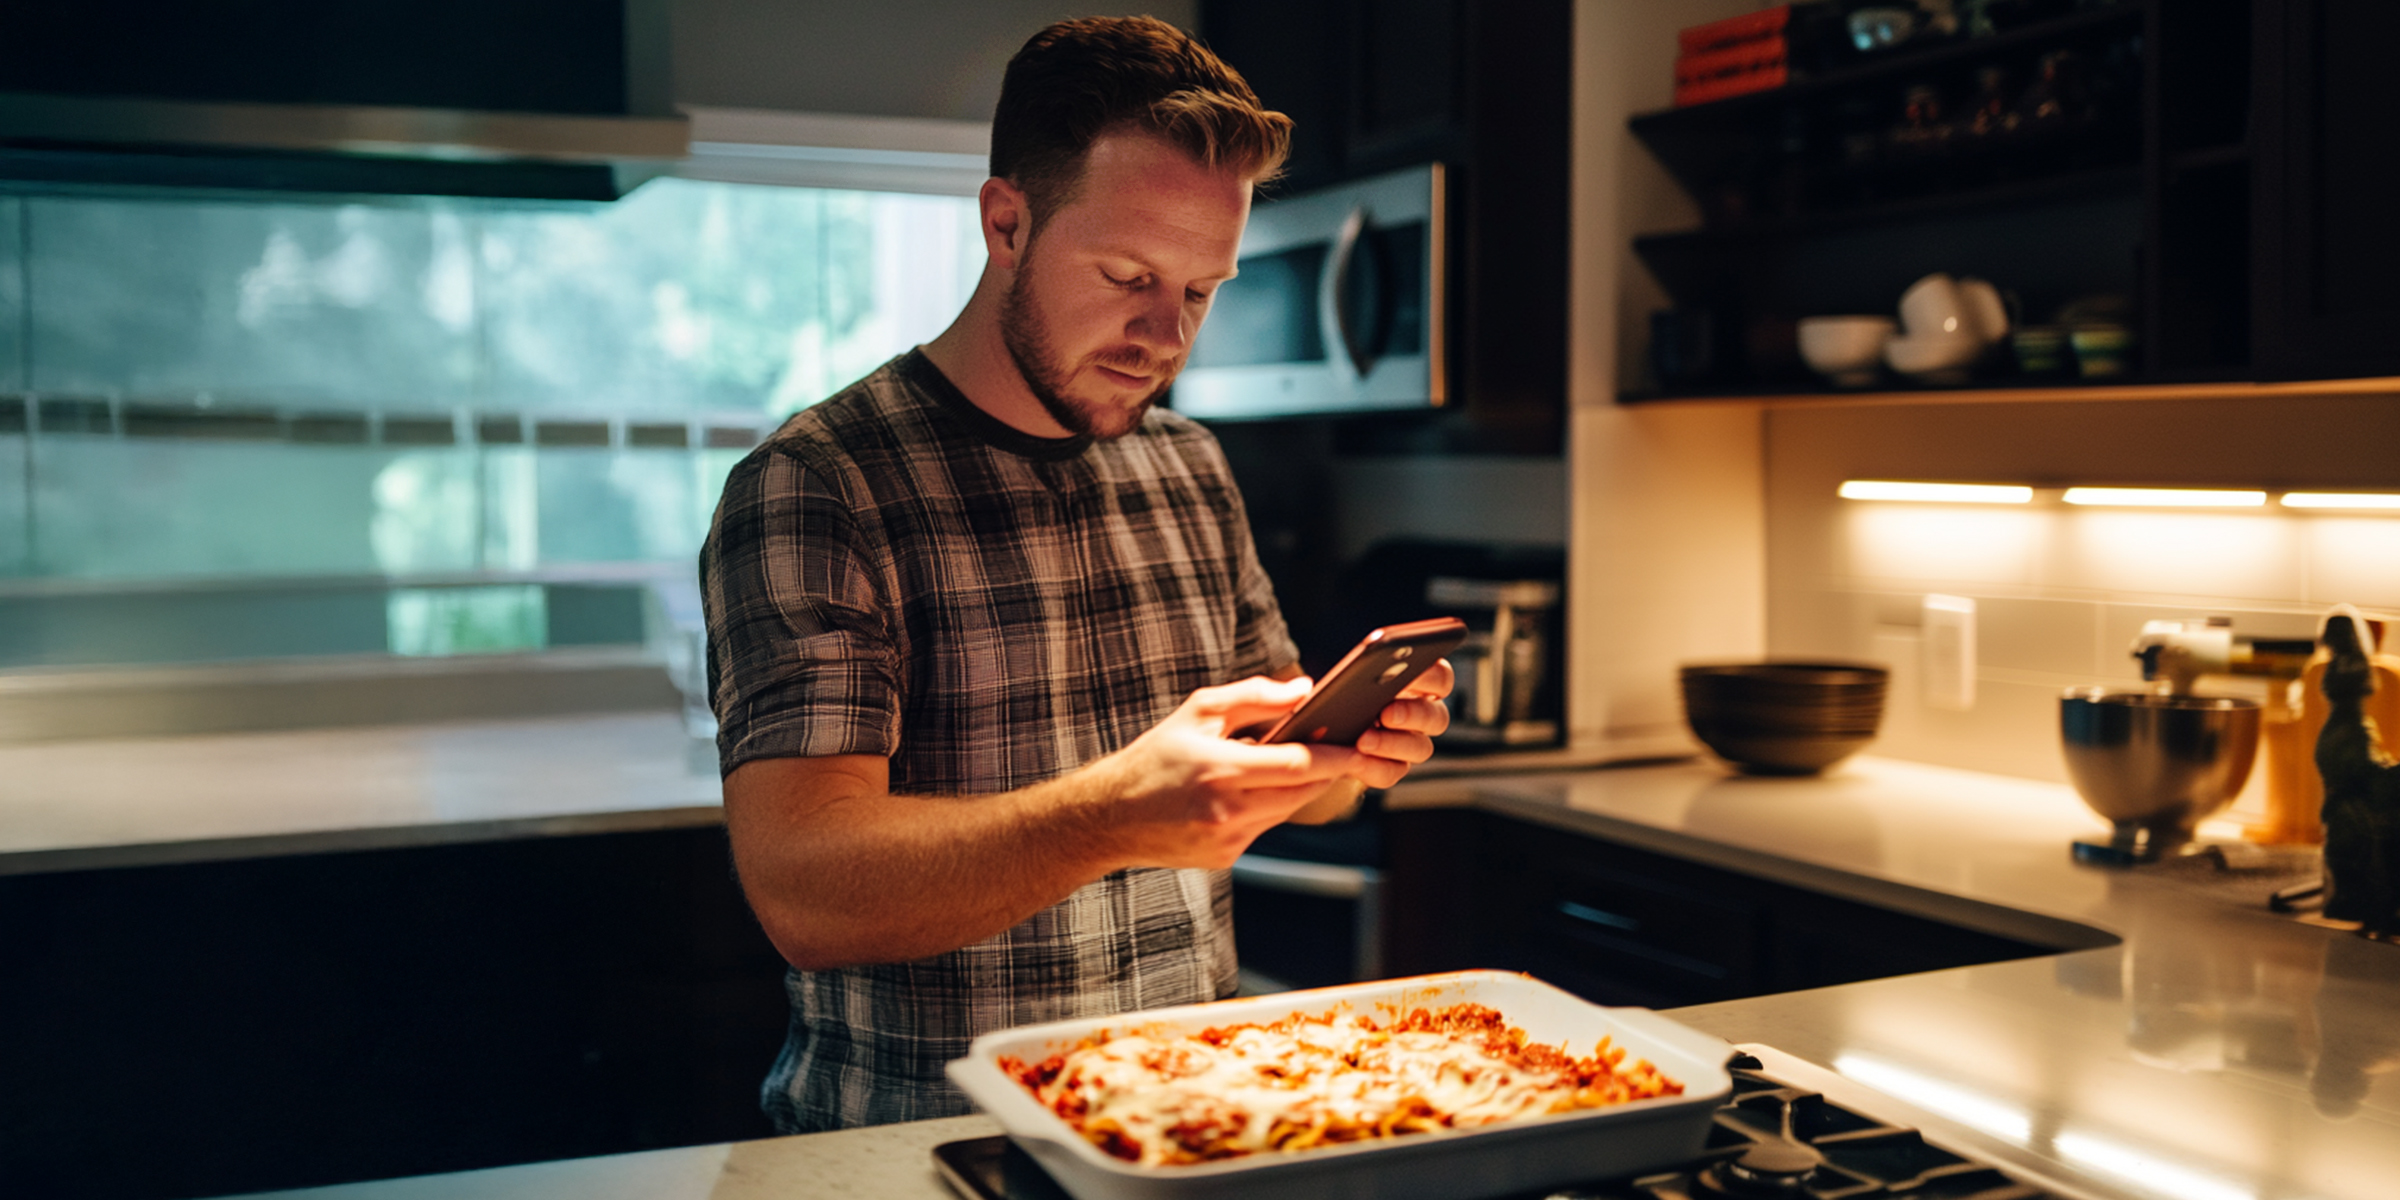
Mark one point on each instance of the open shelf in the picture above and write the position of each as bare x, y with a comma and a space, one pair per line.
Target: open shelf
2021, 391
1893, 66
2077, 185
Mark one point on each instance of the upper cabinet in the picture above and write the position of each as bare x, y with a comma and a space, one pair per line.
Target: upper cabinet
1482, 87
2209, 175
1370, 86
2329, 170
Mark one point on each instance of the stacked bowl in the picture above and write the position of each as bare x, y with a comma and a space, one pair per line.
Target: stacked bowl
1784, 718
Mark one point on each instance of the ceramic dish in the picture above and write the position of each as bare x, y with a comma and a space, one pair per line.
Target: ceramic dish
1845, 349
1933, 357
1492, 1160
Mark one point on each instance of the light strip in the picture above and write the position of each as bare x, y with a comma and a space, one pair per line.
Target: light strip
2341, 499
2165, 497
2146, 1171
1957, 1103
1938, 493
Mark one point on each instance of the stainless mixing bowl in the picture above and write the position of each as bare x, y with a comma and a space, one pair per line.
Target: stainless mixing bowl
2156, 766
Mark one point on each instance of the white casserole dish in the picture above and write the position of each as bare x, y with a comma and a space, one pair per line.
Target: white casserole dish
1492, 1160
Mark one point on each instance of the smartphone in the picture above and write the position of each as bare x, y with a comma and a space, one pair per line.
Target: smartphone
1351, 697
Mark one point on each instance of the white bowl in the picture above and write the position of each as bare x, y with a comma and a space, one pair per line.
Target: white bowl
1933, 357
1932, 305
1845, 349
1986, 316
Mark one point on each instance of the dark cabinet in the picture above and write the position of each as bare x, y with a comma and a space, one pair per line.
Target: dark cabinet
1370, 86
1483, 88
194, 1029
1619, 925
1289, 53
2226, 179
2017, 157
2329, 255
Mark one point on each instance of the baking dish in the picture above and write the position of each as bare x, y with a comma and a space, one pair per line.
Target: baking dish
1492, 1160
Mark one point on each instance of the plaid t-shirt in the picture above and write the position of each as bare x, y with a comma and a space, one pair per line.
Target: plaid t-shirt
896, 572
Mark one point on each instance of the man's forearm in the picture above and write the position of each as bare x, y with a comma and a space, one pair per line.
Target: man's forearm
842, 872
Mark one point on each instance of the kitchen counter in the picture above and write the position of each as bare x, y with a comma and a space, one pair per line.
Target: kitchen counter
2216, 1051
73, 805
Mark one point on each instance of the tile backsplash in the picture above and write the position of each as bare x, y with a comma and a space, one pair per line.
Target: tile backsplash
2061, 591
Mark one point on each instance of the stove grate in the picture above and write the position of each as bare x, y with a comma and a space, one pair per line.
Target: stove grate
1772, 1141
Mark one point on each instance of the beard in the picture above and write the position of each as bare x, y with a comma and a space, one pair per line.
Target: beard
1046, 376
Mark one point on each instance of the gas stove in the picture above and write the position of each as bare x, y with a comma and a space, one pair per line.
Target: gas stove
1780, 1136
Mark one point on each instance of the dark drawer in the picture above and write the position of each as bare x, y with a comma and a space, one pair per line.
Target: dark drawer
1607, 926
1645, 928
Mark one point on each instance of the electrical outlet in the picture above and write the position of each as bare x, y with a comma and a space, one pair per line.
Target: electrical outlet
1948, 655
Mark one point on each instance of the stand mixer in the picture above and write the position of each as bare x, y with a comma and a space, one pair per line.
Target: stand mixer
2157, 763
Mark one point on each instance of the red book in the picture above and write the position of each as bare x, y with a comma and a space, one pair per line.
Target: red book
1739, 84
1730, 60
1766, 22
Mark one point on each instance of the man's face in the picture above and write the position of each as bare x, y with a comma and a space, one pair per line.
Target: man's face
1107, 296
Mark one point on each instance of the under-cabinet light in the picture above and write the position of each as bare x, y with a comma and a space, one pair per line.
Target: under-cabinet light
1938, 493
2385, 500
2165, 497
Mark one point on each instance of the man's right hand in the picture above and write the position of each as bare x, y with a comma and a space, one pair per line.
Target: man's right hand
1187, 794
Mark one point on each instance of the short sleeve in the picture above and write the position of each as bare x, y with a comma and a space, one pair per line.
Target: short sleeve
801, 650
1262, 644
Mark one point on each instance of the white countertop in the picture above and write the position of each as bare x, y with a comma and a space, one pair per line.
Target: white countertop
2218, 1053
1985, 851
73, 805
2256, 1055
136, 801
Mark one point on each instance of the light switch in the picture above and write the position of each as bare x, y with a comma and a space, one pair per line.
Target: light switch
1948, 656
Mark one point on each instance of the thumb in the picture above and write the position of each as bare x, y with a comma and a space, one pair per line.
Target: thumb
1242, 702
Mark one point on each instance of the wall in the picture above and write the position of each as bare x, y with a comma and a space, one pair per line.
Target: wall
1667, 540
896, 58
2060, 591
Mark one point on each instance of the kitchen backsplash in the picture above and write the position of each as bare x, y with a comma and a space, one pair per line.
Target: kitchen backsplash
214, 389
2061, 591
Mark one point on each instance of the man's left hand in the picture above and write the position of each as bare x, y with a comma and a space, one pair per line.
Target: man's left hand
1403, 736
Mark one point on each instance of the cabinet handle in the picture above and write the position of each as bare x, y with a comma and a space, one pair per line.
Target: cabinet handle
1306, 878
1639, 949
1597, 916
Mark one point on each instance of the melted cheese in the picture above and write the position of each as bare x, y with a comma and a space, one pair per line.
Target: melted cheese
1305, 1080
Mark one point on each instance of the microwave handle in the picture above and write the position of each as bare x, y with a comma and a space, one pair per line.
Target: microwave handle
1332, 317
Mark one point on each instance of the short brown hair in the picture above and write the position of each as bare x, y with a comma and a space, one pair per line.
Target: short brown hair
1077, 80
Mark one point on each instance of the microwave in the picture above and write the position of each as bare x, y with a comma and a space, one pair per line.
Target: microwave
1337, 307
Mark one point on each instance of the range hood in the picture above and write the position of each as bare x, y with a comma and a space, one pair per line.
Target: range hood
536, 99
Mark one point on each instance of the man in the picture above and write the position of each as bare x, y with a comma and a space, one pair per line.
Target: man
981, 624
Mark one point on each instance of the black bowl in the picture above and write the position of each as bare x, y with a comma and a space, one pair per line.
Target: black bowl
1784, 718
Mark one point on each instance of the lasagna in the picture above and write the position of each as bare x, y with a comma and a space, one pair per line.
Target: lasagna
1161, 1099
